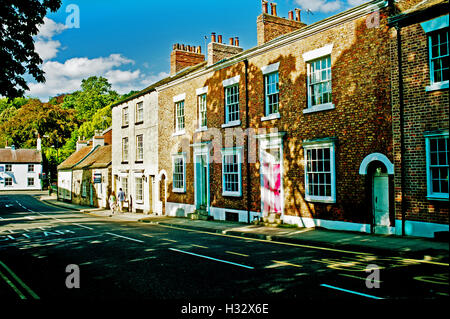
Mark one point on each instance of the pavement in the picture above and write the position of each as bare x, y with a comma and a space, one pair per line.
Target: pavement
341, 240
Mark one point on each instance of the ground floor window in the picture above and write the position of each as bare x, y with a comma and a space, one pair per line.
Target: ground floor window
437, 166
30, 181
8, 181
139, 190
319, 171
231, 172
179, 169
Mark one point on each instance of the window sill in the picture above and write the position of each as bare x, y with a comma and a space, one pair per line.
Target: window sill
179, 133
178, 190
437, 86
138, 162
326, 200
272, 116
201, 129
139, 123
124, 126
232, 194
436, 197
231, 124
319, 108
124, 163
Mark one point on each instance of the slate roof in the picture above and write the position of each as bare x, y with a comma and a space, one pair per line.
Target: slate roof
75, 158
99, 158
8, 155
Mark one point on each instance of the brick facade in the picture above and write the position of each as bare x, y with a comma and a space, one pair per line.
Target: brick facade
424, 111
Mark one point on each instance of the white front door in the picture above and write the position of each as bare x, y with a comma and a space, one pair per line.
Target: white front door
271, 186
381, 202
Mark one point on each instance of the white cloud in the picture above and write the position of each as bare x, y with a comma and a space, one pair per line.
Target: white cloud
47, 49
355, 3
50, 28
45, 46
320, 5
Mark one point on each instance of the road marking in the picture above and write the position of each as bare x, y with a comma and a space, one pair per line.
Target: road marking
129, 238
351, 291
24, 286
211, 258
233, 253
21, 295
147, 235
428, 262
286, 264
199, 246
82, 226
267, 241
362, 278
173, 241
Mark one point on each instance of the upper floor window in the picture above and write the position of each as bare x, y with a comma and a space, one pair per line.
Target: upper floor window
437, 165
179, 116
30, 168
125, 149
318, 64
125, 116
139, 147
8, 168
272, 90
438, 52
202, 120
139, 112
231, 87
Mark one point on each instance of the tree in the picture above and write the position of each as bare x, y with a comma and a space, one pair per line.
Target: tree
95, 94
19, 23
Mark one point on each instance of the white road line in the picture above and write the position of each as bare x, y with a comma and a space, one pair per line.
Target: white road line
132, 239
351, 291
211, 258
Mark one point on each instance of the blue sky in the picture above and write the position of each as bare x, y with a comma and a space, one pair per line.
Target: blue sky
129, 41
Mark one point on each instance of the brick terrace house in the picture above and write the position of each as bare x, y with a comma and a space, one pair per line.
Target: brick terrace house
297, 129
420, 84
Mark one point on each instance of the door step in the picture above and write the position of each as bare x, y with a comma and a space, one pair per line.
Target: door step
200, 214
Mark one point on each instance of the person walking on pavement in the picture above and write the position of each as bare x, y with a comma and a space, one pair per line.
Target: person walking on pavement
112, 202
121, 198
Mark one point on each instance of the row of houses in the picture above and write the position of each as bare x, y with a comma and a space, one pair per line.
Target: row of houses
341, 124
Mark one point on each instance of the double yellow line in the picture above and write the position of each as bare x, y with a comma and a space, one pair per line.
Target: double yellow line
17, 280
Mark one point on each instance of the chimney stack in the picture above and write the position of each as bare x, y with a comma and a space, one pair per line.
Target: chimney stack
297, 15
291, 15
273, 8
265, 7
218, 51
184, 56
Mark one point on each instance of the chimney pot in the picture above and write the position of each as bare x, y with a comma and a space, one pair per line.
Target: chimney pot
236, 41
297, 15
291, 15
213, 37
265, 7
273, 8
219, 38
231, 41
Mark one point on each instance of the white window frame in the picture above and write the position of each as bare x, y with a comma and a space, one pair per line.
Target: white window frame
310, 145
125, 149
310, 57
28, 181
202, 109
430, 194
140, 147
8, 167
8, 179
174, 158
140, 112
32, 168
227, 152
139, 191
431, 26
268, 71
228, 84
125, 116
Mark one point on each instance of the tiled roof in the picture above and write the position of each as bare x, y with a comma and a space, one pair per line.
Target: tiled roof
99, 158
76, 157
8, 155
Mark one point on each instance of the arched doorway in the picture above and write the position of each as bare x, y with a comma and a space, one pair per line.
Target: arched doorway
379, 171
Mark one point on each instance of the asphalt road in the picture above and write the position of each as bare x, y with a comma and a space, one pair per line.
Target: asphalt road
130, 260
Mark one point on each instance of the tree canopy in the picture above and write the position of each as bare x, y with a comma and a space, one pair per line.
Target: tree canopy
19, 23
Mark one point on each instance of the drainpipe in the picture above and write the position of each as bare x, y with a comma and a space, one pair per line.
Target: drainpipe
248, 144
402, 124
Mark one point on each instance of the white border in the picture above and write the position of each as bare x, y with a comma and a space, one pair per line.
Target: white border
318, 53
179, 97
231, 81
175, 156
376, 157
270, 68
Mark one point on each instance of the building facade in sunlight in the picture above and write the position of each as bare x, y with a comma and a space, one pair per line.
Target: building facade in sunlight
420, 83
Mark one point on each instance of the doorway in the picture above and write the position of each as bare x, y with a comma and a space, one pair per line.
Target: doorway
380, 202
202, 182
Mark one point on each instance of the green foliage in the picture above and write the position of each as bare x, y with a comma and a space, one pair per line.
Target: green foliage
19, 23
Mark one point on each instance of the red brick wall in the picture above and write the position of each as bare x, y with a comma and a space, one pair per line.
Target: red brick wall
423, 111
